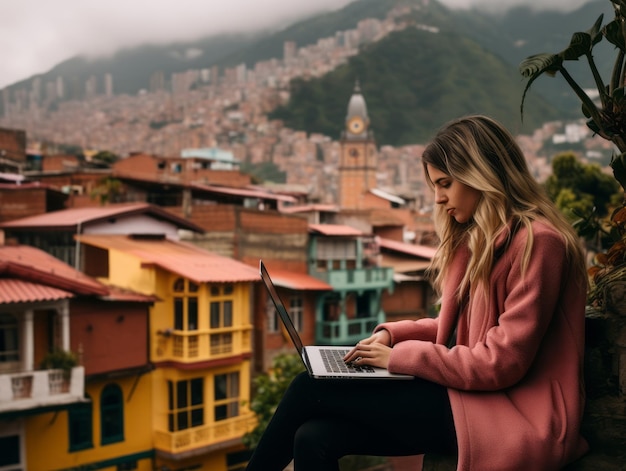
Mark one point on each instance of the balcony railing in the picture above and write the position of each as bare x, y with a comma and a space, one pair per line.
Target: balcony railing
203, 345
33, 389
206, 435
361, 278
345, 332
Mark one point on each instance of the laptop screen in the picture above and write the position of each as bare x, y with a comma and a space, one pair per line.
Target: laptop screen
280, 307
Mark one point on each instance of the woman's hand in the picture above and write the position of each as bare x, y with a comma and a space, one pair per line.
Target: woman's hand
372, 351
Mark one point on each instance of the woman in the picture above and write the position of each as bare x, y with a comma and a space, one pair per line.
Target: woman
499, 371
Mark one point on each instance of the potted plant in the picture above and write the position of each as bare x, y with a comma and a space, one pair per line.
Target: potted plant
60, 360
606, 117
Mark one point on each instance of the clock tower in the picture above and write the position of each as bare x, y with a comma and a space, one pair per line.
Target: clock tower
358, 159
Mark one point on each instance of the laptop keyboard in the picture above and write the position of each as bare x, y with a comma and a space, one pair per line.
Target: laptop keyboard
333, 361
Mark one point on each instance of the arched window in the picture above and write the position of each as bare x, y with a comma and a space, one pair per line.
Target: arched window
9, 347
80, 418
111, 414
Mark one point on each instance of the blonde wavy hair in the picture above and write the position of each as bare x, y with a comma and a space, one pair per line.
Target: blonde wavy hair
480, 153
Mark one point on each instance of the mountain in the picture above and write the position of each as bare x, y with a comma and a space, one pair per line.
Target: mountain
512, 36
133, 67
523, 31
409, 79
413, 81
307, 32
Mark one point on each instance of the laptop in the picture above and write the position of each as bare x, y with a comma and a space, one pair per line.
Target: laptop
322, 362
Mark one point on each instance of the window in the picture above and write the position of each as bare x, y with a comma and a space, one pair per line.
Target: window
296, 312
226, 396
185, 305
9, 347
186, 404
10, 451
336, 249
80, 417
111, 414
221, 317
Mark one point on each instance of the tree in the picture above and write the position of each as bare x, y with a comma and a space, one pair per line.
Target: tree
105, 157
579, 189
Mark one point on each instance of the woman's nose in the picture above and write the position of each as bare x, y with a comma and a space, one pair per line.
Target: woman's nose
440, 197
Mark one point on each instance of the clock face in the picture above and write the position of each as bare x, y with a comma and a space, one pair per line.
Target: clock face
356, 125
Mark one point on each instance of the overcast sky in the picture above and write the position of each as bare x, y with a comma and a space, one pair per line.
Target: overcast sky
35, 35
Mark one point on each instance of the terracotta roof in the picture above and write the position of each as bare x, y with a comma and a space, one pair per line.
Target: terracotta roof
71, 218
335, 230
20, 291
243, 192
403, 265
422, 251
308, 208
182, 258
35, 267
298, 281
122, 294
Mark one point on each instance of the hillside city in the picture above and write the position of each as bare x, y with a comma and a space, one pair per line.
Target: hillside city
227, 109
134, 328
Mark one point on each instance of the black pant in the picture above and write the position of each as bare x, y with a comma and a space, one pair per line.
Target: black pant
319, 421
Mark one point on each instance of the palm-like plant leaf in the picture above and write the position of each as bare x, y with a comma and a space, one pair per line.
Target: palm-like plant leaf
534, 66
613, 33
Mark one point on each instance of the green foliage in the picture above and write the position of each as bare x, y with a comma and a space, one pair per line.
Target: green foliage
109, 190
61, 360
106, 157
264, 172
606, 116
413, 82
268, 389
579, 188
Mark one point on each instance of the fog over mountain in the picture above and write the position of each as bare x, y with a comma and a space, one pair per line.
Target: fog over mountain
36, 34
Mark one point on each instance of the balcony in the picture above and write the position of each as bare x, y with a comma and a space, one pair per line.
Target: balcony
203, 345
345, 332
28, 390
199, 438
355, 278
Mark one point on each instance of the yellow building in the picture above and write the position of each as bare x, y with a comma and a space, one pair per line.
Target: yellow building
71, 381
196, 403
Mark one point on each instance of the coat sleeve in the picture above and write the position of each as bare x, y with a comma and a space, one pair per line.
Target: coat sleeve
422, 329
504, 340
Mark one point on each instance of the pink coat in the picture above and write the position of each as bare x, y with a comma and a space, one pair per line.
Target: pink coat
515, 376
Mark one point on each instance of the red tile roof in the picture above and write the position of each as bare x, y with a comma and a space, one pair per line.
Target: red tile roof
30, 274
20, 291
243, 192
422, 251
182, 258
329, 208
335, 230
297, 281
74, 217
121, 294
